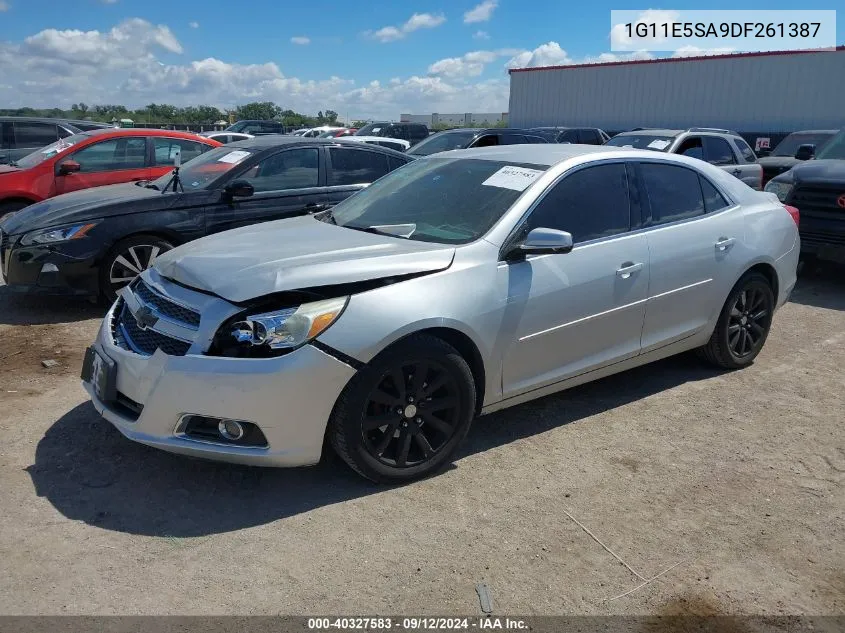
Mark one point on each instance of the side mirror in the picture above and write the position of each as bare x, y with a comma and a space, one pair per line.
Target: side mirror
69, 167
239, 189
805, 152
542, 241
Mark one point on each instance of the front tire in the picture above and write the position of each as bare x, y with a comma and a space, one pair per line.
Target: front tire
404, 414
126, 260
743, 324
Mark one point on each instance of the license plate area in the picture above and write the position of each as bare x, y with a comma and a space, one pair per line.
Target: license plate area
100, 372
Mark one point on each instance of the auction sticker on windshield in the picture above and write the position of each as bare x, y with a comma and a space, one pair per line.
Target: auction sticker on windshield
233, 157
659, 144
510, 177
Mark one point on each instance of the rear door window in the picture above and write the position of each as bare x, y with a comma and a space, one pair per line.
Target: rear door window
351, 166
674, 193
509, 138
166, 150
35, 133
568, 136
692, 147
717, 151
589, 136
289, 169
713, 200
745, 150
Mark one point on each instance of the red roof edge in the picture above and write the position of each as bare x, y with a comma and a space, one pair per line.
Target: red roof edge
668, 60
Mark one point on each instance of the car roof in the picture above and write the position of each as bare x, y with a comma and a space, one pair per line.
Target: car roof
814, 132
141, 131
47, 119
652, 132
539, 154
272, 141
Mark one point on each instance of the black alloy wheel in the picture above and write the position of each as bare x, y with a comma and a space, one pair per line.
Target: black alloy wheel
402, 416
128, 259
411, 414
743, 324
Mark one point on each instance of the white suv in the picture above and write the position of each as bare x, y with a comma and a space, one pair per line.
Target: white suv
723, 148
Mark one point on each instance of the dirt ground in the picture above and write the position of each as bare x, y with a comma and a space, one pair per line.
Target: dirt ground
733, 482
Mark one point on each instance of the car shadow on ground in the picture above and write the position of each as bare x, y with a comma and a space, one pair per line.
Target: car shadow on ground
18, 309
91, 473
821, 285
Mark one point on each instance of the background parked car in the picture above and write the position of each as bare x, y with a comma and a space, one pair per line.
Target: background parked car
795, 148
96, 241
723, 148
411, 132
93, 159
227, 137
398, 144
257, 127
582, 135
462, 138
20, 136
338, 133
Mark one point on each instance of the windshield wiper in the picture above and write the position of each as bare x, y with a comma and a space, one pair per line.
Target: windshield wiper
13, 164
326, 216
151, 185
391, 230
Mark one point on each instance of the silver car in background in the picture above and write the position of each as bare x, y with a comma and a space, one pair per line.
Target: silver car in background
457, 285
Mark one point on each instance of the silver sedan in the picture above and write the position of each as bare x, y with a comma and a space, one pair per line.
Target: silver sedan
457, 285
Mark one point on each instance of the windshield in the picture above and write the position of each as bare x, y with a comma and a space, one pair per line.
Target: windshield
371, 129
443, 142
198, 172
655, 142
237, 127
789, 145
40, 155
834, 148
445, 200
329, 134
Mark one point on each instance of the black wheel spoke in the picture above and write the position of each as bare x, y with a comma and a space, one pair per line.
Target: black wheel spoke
439, 404
735, 311
758, 330
404, 447
398, 379
420, 374
422, 442
759, 315
435, 385
389, 432
373, 422
733, 329
382, 397
444, 427
734, 340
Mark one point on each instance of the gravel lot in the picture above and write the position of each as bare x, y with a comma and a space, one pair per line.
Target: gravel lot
733, 480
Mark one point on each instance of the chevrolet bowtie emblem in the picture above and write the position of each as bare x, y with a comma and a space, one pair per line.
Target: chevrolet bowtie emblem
145, 317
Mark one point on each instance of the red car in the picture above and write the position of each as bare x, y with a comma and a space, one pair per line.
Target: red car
91, 159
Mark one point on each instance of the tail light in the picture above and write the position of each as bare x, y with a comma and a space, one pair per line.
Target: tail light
795, 213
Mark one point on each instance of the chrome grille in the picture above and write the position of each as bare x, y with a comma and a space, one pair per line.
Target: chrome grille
129, 336
165, 306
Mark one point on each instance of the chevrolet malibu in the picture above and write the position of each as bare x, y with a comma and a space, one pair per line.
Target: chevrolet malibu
455, 286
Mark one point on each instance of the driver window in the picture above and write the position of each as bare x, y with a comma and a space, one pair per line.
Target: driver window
113, 155
590, 203
291, 169
487, 141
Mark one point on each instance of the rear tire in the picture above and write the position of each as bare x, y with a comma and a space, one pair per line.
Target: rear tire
743, 325
7, 208
126, 260
404, 414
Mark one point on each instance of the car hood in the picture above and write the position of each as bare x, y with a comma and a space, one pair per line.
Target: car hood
9, 169
85, 204
778, 162
828, 171
293, 254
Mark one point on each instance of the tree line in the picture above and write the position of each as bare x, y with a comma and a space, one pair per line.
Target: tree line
166, 113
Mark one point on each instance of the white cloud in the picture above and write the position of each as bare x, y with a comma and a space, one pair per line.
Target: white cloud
4, 6
471, 64
550, 54
301, 40
415, 22
194, 25
481, 35
481, 13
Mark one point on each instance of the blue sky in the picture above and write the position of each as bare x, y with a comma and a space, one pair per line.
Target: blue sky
423, 55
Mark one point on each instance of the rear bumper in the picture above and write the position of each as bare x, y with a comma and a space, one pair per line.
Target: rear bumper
289, 398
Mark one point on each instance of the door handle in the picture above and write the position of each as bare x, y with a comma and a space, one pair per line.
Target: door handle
724, 243
627, 269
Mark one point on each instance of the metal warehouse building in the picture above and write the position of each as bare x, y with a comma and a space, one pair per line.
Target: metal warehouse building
751, 93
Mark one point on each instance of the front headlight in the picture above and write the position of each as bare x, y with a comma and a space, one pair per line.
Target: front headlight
780, 189
288, 328
58, 234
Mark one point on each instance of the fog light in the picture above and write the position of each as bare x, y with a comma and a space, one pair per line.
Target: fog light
230, 429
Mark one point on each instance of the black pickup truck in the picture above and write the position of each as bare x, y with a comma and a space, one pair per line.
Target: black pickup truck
817, 188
